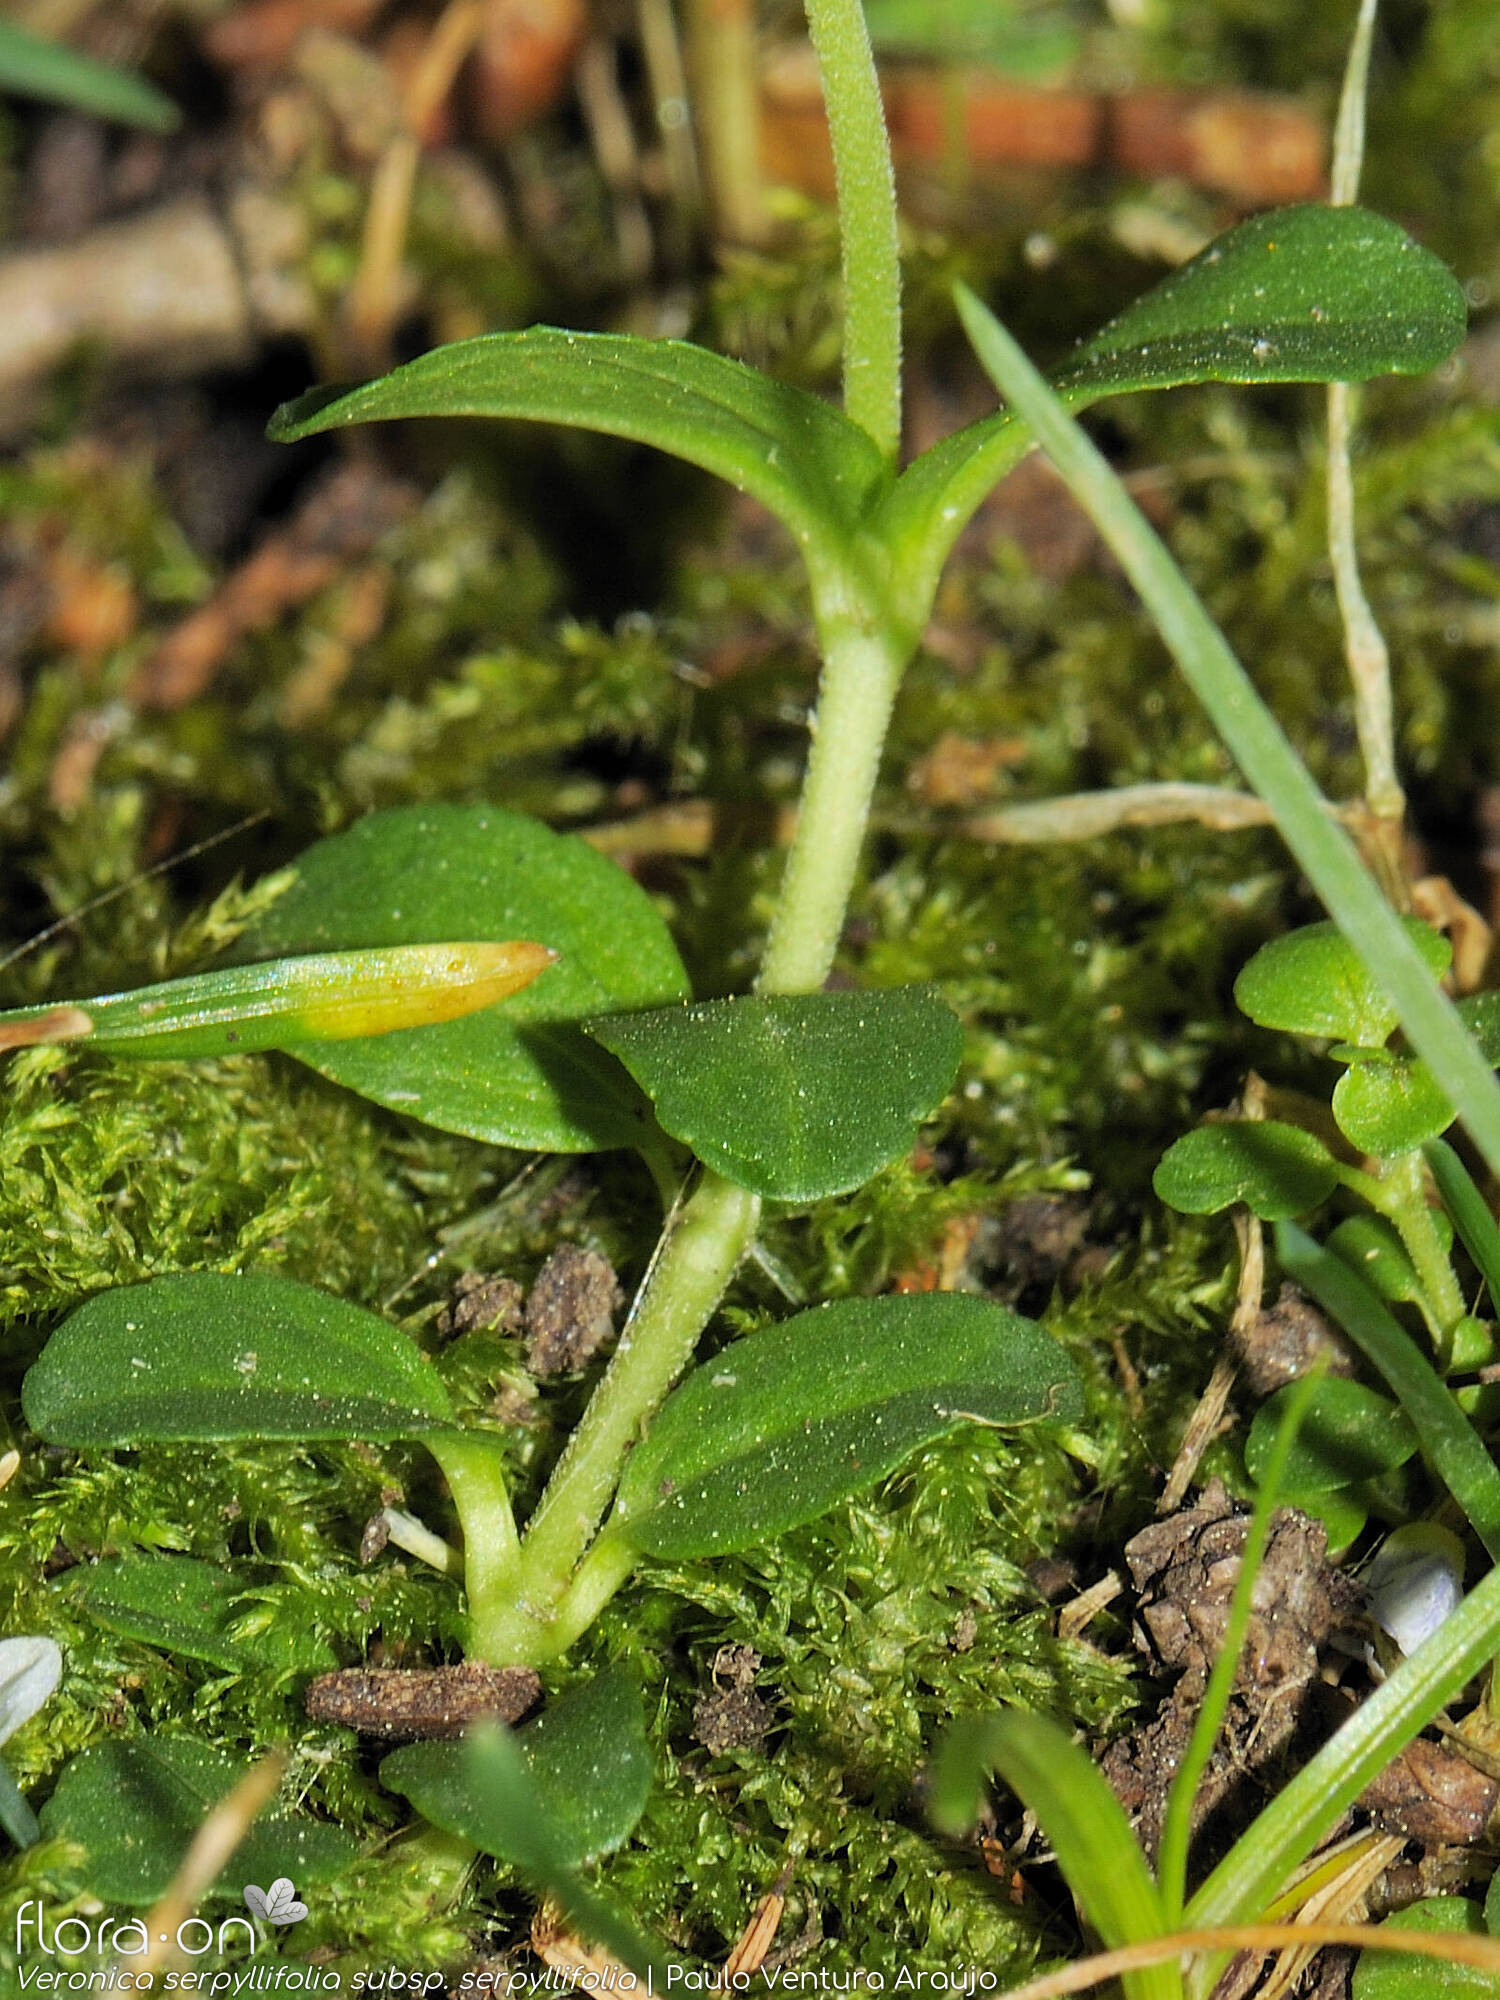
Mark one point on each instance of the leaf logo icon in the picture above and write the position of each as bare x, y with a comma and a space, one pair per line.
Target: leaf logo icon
276, 1905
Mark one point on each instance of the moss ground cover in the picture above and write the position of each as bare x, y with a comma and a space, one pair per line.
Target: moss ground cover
1092, 984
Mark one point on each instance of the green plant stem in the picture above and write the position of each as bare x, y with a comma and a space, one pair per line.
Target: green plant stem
1253, 736
867, 220
862, 663
694, 1262
1400, 1195
473, 1464
1322, 1791
1177, 1823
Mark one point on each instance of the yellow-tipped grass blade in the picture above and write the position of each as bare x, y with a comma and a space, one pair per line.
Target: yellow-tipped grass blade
324, 997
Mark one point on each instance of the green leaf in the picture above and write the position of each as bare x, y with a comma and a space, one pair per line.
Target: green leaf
203, 1356
134, 1806
282, 1002
795, 453
193, 1610
521, 1074
1449, 1441
1309, 294
1370, 1246
1350, 1433
1389, 1104
1312, 982
1470, 1213
1080, 1816
33, 67
787, 1422
1381, 1975
1342, 1515
797, 1096
1480, 1014
174, 1602
579, 1785
1277, 1170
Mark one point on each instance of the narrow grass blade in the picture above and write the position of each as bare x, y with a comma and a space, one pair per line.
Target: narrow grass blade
1177, 1823
1468, 1212
34, 67
1449, 1440
1322, 1791
1079, 1814
280, 1003
1254, 737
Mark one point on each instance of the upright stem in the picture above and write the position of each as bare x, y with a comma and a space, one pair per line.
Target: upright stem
867, 219
1364, 643
694, 1262
862, 663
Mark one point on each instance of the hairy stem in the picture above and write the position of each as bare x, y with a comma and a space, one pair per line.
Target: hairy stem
1364, 644
694, 1262
862, 666
867, 220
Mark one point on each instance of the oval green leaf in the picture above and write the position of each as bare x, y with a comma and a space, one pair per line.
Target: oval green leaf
1382, 1975
183, 1606
1277, 1170
795, 1096
134, 1806
1389, 1104
202, 1356
193, 1610
1350, 1433
787, 1422
521, 1073
795, 453
1312, 982
1308, 294
574, 1792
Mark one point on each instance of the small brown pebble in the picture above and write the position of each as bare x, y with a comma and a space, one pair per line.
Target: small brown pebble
482, 1304
1430, 1795
375, 1537
403, 1704
732, 1718
571, 1311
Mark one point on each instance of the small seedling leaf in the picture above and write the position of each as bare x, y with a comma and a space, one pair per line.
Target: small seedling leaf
573, 1792
787, 1422
33, 67
1388, 1104
1311, 982
1370, 1246
1277, 1170
795, 453
793, 1097
134, 1806
520, 1074
1382, 1975
202, 1356
1310, 294
191, 1609
1350, 1433
281, 1002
